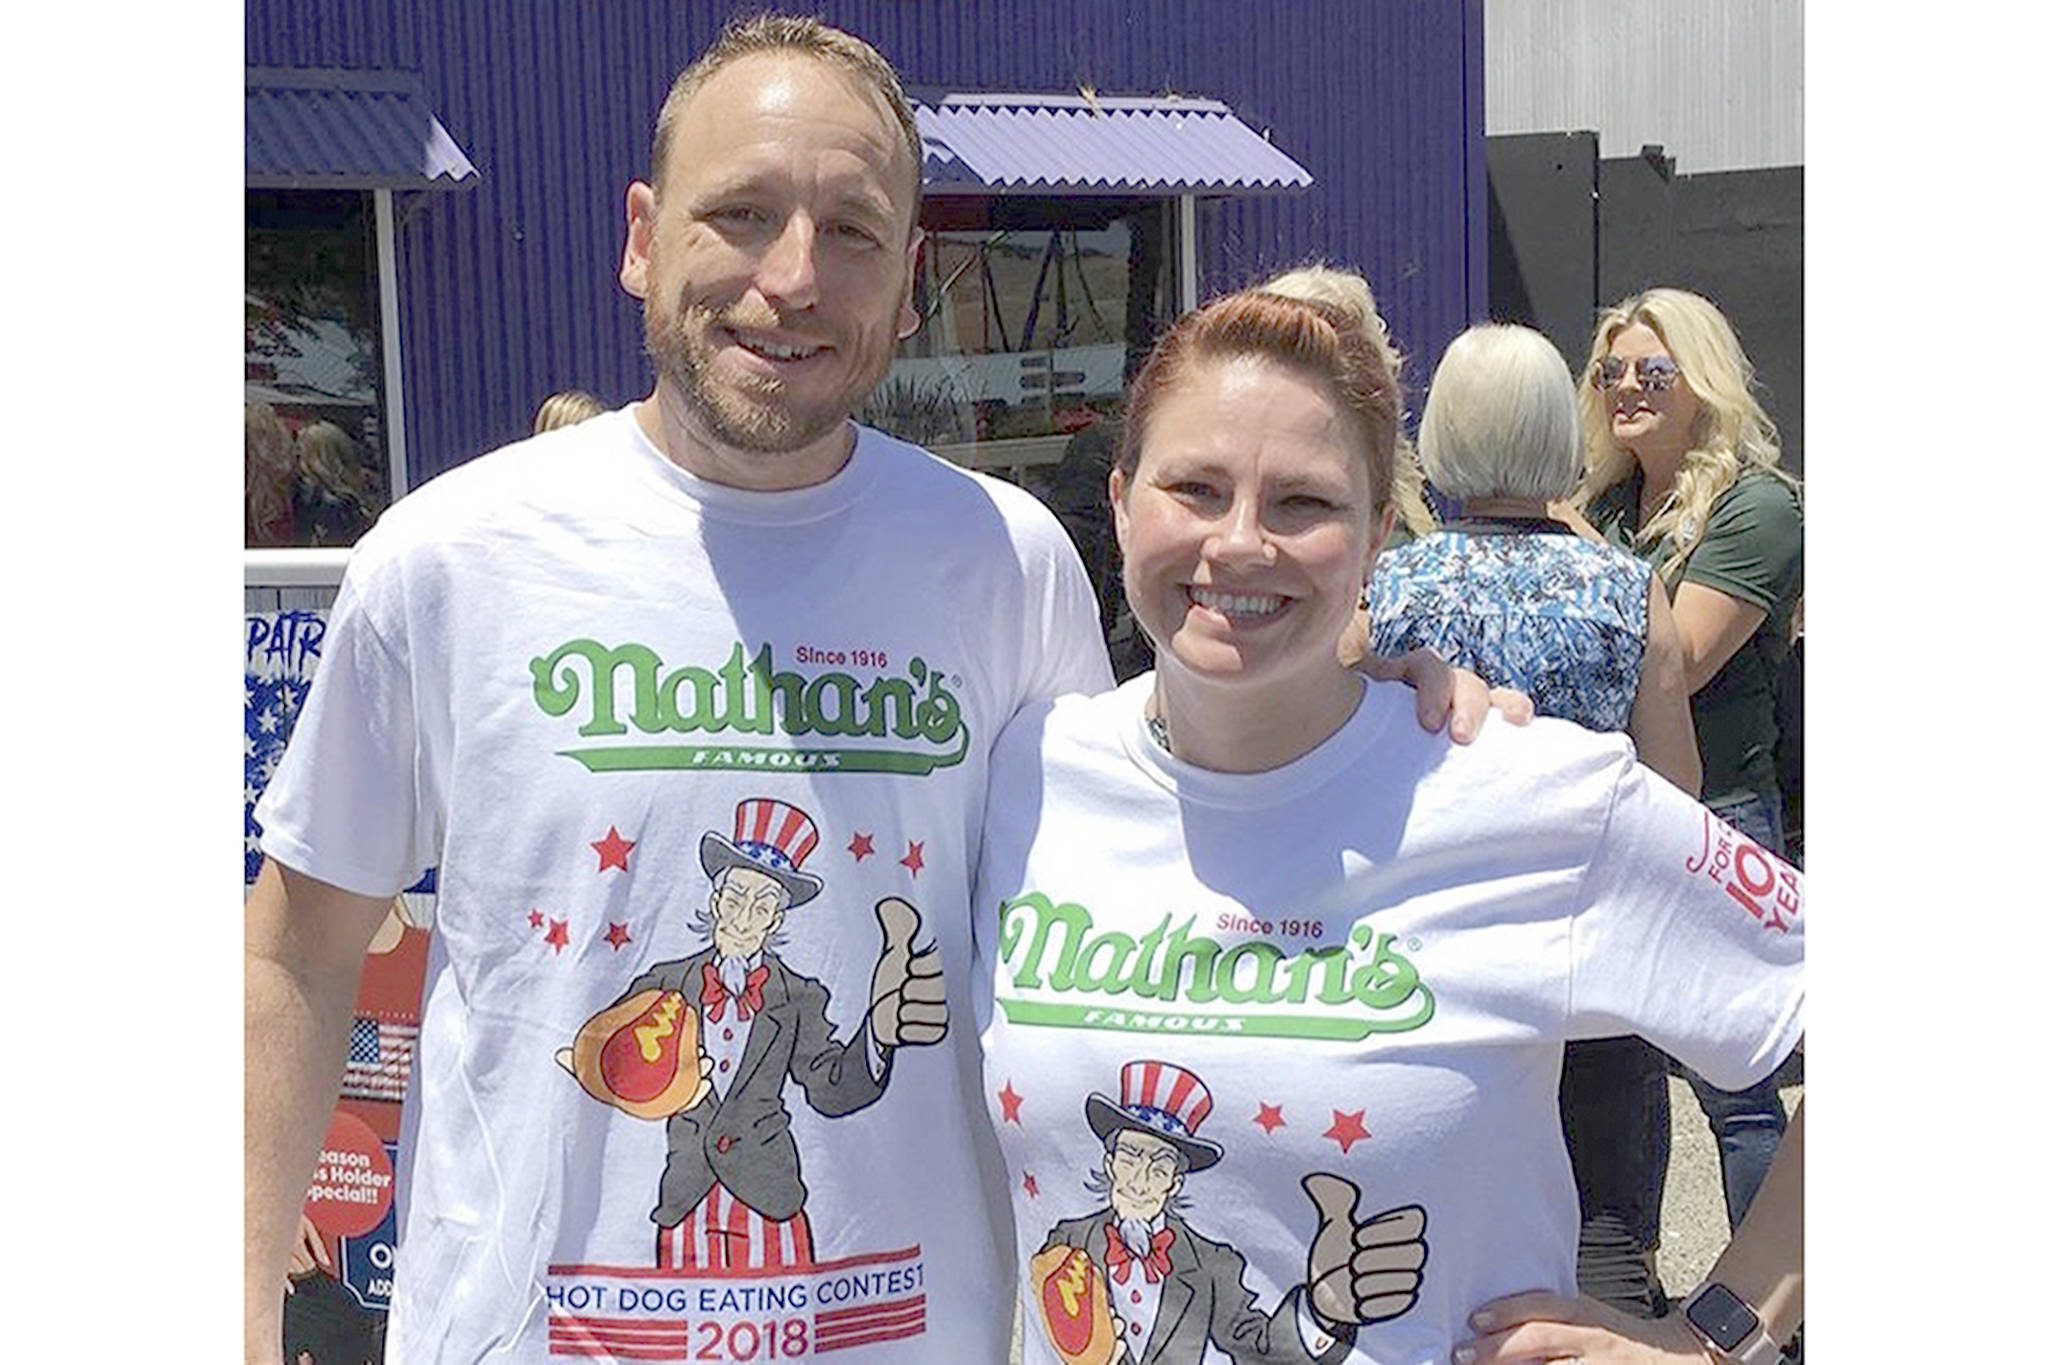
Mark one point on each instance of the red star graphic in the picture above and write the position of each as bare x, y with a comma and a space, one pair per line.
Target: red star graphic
617, 936
1346, 1129
558, 934
1012, 1102
534, 919
862, 846
914, 860
1031, 1184
612, 850
1269, 1117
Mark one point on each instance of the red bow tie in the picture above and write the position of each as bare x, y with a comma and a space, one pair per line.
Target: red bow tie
1154, 1259
715, 993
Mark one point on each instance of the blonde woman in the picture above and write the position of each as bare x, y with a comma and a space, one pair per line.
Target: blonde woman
566, 409
266, 477
1682, 469
1350, 293
334, 500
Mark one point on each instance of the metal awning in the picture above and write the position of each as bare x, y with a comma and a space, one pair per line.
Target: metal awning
327, 128
1108, 145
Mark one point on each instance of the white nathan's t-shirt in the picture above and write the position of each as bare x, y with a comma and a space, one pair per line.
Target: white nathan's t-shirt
1364, 963
582, 682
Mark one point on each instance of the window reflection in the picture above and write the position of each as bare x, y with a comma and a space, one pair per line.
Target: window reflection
315, 467
1035, 315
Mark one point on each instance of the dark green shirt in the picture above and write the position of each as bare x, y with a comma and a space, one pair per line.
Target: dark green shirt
1754, 551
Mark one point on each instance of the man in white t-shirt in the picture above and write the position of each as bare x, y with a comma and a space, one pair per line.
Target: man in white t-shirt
561, 672
550, 671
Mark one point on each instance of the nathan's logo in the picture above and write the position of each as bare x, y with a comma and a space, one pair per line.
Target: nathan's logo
1757, 880
1173, 981
613, 688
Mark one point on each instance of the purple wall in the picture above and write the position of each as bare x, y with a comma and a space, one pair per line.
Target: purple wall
509, 291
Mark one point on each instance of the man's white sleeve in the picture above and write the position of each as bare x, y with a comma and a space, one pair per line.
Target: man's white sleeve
1068, 653
344, 805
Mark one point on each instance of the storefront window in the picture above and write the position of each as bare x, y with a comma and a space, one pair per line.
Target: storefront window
1035, 316
316, 468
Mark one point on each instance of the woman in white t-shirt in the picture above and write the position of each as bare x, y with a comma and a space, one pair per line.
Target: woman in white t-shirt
1273, 985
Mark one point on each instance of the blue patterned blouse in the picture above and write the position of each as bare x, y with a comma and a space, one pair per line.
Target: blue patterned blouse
1525, 604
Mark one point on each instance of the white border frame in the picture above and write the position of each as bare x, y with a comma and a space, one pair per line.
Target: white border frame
293, 568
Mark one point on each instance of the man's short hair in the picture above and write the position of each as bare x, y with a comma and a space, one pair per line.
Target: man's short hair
810, 37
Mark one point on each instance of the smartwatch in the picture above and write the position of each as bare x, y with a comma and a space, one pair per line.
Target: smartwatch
1728, 1327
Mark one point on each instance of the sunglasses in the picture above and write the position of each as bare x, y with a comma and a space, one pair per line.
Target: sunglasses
1655, 373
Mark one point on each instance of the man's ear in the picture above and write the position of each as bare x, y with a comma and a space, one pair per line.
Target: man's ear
1379, 539
640, 211
1118, 512
907, 319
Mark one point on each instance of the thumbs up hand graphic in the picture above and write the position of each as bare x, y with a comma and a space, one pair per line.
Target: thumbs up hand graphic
909, 995
1362, 1272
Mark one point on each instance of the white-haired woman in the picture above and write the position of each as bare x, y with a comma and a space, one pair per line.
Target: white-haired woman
1682, 469
1511, 593
1586, 631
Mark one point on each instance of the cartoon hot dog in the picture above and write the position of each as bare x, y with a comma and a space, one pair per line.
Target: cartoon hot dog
642, 1056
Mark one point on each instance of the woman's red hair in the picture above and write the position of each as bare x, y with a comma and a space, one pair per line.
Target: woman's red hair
1312, 338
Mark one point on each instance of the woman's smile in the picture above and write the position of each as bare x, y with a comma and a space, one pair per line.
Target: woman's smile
1240, 607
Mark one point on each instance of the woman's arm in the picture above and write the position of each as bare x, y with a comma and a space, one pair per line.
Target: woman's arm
1765, 1264
1711, 627
1747, 565
1661, 723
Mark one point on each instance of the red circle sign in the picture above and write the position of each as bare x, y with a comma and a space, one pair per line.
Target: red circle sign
351, 1189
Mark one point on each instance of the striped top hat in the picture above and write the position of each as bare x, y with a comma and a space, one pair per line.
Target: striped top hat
768, 836
1164, 1100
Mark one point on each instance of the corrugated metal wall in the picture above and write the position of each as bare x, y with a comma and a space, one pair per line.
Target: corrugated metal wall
510, 291
1719, 84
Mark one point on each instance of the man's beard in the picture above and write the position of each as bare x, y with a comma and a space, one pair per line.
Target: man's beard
1137, 1234
752, 414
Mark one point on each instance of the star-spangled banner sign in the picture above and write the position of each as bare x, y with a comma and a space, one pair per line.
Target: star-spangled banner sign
282, 651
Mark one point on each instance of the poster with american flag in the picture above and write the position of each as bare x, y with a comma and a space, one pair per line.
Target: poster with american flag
379, 1059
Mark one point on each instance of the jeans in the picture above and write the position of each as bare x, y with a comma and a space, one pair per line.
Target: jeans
1746, 1123
1616, 1110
